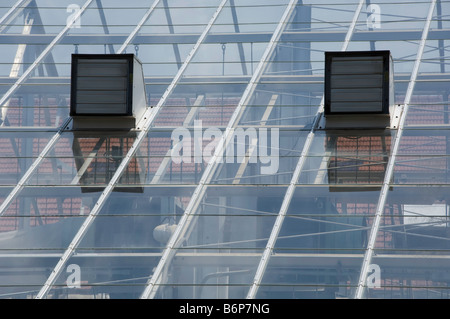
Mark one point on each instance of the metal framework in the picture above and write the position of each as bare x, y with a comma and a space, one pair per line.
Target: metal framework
249, 81
147, 121
390, 168
295, 177
187, 218
5, 98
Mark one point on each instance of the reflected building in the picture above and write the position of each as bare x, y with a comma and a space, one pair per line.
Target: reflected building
137, 222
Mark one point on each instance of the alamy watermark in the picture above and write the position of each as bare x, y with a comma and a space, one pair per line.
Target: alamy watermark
74, 19
373, 20
249, 145
74, 278
374, 276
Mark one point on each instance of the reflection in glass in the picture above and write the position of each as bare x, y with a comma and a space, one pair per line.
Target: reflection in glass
222, 243
348, 157
44, 222
412, 244
321, 244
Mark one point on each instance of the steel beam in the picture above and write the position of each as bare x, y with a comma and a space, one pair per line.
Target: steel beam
295, 177
42, 56
390, 168
13, 13
131, 37
14, 193
144, 126
218, 38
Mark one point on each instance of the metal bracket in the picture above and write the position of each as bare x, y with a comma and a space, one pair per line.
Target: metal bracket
396, 114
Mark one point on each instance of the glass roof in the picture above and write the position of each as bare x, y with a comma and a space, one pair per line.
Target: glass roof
263, 201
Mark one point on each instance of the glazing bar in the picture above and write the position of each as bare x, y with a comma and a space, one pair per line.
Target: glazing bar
148, 118
153, 284
138, 27
13, 13
291, 188
55, 138
43, 55
390, 169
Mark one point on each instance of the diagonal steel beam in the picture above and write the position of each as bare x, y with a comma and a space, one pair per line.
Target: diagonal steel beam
101, 12
43, 55
176, 49
133, 33
144, 126
12, 13
18, 60
161, 171
33, 23
253, 143
239, 44
19, 186
291, 188
198, 195
390, 168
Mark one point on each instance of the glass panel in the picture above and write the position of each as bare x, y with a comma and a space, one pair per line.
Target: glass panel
422, 142
281, 103
399, 15
174, 17
23, 144
135, 221
421, 170
213, 59
249, 16
323, 16
191, 106
25, 275
414, 226
213, 114
422, 157
35, 230
4, 192
431, 108
222, 243
127, 238
260, 156
85, 159
319, 250
18, 150
301, 59
5, 6
45, 16
344, 158
225, 238
107, 17
44, 220
320, 247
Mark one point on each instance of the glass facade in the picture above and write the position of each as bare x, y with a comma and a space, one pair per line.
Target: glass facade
231, 186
